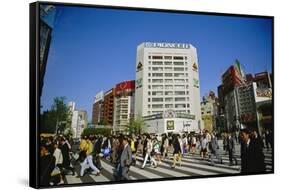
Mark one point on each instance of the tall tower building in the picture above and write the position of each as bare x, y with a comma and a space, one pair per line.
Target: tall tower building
167, 84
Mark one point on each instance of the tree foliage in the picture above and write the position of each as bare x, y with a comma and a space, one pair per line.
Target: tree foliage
58, 118
96, 131
136, 126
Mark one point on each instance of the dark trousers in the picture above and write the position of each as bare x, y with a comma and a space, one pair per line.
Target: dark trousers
231, 157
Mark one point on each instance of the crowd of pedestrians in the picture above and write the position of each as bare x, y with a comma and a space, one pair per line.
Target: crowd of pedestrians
141, 150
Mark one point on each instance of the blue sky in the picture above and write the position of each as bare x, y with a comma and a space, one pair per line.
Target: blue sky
94, 49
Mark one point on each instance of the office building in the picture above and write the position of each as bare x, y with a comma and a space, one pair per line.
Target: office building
167, 87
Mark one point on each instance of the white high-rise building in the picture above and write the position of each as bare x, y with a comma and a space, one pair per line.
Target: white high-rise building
167, 87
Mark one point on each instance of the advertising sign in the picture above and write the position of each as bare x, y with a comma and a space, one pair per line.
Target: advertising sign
170, 125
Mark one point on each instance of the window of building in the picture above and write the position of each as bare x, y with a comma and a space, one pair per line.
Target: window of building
157, 74
187, 105
168, 69
168, 63
148, 93
179, 92
168, 80
149, 74
178, 74
179, 80
157, 106
157, 68
149, 80
167, 57
157, 57
168, 105
149, 57
157, 93
168, 86
157, 63
178, 63
180, 105
178, 69
157, 99
179, 99
168, 74
178, 58
169, 93
157, 80
148, 99
179, 86
168, 99
157, 86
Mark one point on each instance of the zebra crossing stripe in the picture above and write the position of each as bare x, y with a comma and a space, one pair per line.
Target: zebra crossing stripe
189, 169
212, 168
100, 178
70, 179
168, 171
205, 162
144, 173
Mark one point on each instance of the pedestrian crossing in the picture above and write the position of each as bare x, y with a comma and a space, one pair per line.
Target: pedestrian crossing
191, 165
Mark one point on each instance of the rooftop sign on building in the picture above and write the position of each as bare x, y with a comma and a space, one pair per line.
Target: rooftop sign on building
166, 45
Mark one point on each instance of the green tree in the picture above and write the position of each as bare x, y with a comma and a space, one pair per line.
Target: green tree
96, 131
136, 125
58, 118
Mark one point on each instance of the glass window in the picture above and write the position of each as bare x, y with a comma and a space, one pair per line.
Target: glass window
157, 57
178, 58
169, 93
179, 99
167, 57
168, 63
157, 63
168, 105
168, 80
168, 74
157, 105
157, 93
178, 63
168, 99
157, 99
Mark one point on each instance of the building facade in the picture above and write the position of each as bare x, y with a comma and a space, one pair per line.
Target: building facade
233, 77
47, 20
124, 101
245, 100
108, 104
167, 80
209, 111
98, 109
79, 122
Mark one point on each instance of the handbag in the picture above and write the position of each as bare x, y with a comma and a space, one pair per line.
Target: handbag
56, 171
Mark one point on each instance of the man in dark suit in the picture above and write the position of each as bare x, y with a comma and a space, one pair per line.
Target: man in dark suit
126, 159
230, 146
252, 157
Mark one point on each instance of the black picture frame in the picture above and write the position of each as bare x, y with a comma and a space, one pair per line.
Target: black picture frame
36, 80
